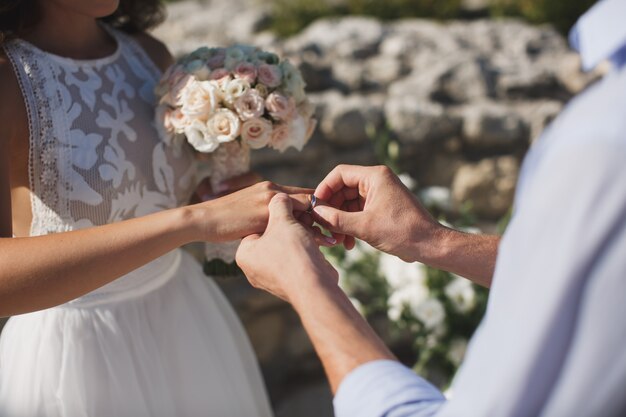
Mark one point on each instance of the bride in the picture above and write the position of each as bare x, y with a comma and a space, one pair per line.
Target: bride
111, 318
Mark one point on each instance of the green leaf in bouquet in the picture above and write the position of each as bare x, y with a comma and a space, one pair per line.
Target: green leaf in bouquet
221, 269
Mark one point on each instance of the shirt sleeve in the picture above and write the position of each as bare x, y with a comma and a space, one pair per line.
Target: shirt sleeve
386, 388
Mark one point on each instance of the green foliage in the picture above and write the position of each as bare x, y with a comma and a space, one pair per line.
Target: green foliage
562, 14
291, 16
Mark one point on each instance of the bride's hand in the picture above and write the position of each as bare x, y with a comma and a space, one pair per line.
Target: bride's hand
243, 212
204, 191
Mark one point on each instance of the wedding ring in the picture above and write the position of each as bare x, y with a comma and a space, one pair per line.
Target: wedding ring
312, 204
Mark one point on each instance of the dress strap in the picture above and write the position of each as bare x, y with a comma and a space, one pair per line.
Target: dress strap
37, 78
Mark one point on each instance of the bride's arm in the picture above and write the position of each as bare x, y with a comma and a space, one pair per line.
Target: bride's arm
41, 272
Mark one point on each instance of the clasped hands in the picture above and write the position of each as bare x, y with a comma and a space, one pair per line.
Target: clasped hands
368, 203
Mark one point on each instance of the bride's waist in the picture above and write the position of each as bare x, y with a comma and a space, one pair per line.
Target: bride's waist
141, 281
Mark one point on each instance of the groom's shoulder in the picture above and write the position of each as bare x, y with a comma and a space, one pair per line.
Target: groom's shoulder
156, 50
599, 114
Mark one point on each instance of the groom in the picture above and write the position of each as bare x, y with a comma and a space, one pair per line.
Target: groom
552, 342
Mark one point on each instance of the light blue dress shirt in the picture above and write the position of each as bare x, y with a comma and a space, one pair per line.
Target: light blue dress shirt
553, 340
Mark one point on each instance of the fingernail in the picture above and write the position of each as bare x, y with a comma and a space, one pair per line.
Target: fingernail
320, 211
330, 240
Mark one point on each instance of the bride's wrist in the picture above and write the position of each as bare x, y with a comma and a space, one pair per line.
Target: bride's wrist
197, 223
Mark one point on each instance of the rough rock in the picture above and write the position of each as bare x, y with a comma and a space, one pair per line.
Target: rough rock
489, 124
347, 119
488, 185
349, 37
421, 121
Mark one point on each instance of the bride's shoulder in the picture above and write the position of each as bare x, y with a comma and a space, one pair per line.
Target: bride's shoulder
156, 50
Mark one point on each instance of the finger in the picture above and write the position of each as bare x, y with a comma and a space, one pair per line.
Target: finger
349, 176
338, 221
239, 182
300, 202
337, 200
281, 208
321, 239
305, 218
350, 193
349, 242
293, 190
353, 206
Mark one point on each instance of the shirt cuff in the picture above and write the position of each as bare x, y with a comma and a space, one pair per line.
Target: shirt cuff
377, 388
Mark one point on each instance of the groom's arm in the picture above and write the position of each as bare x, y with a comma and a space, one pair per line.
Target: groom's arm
356, 360
372, 204
287, 262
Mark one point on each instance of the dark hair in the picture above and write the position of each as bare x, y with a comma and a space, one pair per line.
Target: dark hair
132, 16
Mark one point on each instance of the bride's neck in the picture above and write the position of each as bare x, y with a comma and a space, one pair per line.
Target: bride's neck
69, 34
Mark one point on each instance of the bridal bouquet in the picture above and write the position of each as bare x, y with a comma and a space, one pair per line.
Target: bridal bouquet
226, 101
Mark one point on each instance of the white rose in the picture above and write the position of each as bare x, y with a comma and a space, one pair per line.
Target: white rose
199, 99
400, 274
224, 126
199, 137
357, 305
410, 296
250, 105
456, 351
431, 313
280, 137
462, 294
298, 133
407, 181
257, 132
179, 121
233, 89
435, 196
306, 109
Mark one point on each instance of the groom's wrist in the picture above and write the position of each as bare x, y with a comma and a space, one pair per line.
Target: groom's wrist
313, 284
432, 247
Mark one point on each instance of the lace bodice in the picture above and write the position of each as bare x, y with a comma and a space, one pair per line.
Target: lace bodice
95, 155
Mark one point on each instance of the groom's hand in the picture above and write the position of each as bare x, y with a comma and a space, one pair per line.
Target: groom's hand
372, 204
285, 260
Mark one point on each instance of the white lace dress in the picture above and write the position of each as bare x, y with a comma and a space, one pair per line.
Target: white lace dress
160, 341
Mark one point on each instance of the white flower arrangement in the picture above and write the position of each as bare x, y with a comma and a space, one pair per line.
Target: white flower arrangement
218, 95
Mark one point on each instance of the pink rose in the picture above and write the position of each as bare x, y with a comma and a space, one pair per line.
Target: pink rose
280, 107
250, 105
219, 74
217, 61
270, 75
280, 137
257, 132
246, 71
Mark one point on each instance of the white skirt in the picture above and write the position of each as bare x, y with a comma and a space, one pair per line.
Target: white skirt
161, 341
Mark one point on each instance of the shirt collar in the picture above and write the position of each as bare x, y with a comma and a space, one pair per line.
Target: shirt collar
601, 34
